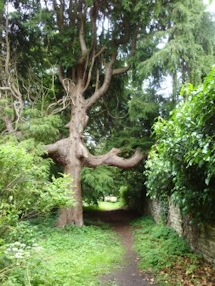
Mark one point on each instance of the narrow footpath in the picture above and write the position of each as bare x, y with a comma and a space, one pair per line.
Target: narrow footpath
127, 274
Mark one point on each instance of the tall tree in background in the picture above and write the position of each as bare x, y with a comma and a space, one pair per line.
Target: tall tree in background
184, 47
91, 46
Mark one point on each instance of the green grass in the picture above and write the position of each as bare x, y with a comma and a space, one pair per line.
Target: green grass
69, 257
105, 206
79, 255
162, 251
158, 246
110, 205
168, 257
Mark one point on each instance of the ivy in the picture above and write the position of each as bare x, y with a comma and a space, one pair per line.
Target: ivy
182, 163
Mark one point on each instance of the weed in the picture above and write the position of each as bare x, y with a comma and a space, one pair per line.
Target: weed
71, 256
168, 256
158, 245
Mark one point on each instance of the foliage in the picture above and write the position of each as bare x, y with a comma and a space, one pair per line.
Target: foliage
19, 264
24, 232
179, 26
157, 245
126, 185
25, 185
182, 163
77, 40
168, 256
134, 130
100, 182
180, 48
70, 256
133, 191
128, 125
40, 127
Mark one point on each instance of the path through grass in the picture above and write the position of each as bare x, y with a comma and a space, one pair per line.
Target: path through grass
71, 256
169, 257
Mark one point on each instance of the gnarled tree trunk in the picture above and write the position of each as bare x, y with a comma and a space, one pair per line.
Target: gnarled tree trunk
73, 154
95, 64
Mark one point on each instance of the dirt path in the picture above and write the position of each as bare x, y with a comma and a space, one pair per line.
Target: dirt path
128, 274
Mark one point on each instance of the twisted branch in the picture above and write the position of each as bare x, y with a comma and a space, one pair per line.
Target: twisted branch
111, 159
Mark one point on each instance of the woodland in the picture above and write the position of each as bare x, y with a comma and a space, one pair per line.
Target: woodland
104, 98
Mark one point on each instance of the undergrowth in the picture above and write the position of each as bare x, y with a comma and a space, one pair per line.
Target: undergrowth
161, 250
62, 257
158, 245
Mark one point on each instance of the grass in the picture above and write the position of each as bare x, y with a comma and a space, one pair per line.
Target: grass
105, 206
110, 205
168, 256
89, 251
158, 246
71, 256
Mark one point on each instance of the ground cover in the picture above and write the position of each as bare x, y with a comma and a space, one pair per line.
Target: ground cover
105, 206
168, 257
128, 272
60, 257
103, 252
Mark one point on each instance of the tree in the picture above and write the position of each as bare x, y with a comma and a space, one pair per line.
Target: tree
91, 44
188, 52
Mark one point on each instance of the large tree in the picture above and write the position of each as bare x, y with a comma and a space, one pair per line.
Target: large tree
88, 44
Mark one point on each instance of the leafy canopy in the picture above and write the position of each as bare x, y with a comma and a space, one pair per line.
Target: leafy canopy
43, 36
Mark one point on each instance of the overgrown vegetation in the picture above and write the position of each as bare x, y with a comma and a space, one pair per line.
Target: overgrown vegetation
71, 92
182, 163
26, 188
32, 251
103, 181
48, 256
168, 256
81, 62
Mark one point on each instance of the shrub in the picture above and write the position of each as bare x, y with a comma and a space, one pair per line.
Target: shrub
182, 163
25, 186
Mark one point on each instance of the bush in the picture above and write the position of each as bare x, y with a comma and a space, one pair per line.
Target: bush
182, 163
25, 186
21, 264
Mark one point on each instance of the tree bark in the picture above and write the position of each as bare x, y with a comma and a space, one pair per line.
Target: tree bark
74, 161
111, 159
73, 215
72, 153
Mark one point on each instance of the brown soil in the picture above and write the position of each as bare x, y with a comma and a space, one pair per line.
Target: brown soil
127, 274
